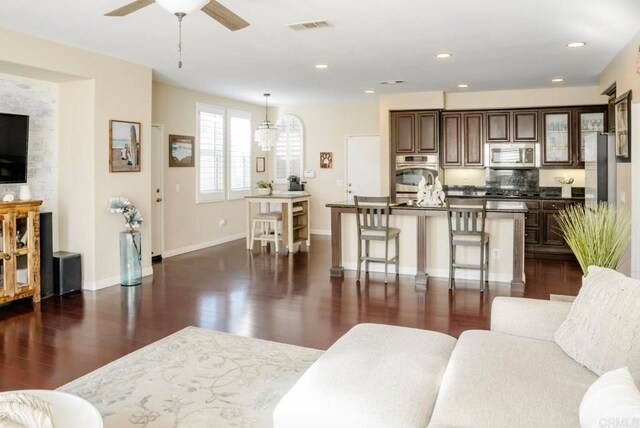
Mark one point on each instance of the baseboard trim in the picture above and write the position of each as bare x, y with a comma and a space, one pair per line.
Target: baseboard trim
109, 282
202, 245
324, 232
436, 273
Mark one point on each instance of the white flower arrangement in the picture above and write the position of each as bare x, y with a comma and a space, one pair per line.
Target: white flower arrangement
132, 216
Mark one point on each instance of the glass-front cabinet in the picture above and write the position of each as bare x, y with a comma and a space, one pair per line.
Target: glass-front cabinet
556, 144
588, 122
19, 251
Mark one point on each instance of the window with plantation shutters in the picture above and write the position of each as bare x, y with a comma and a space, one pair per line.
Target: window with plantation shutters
239, 126
289, 151
210, 154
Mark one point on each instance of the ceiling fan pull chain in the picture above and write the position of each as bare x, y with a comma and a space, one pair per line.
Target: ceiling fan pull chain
180, 16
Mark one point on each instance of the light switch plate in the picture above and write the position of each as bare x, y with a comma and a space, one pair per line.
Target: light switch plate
177, 188
339, 183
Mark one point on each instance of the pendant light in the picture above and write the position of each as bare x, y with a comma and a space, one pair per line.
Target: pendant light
181, 8
267, 134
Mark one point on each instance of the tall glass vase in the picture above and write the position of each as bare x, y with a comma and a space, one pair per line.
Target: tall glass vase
130, 258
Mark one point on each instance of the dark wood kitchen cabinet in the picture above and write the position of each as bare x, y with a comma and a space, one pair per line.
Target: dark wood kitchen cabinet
451, 139
403, 127
473, 143
525, 126
414, 132
498, 126
463, 139
557, 142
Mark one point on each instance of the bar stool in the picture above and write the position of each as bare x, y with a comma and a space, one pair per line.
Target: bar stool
268, 224
466, 228
372, 214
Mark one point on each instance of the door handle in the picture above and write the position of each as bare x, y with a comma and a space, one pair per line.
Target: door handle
159, 200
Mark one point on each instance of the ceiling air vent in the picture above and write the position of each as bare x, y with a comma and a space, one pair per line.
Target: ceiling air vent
311, 25
391, 82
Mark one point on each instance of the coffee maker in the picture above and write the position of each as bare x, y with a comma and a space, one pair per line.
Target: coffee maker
295, 185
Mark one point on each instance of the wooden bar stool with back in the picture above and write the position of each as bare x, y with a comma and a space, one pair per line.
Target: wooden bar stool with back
372, 215
466, 219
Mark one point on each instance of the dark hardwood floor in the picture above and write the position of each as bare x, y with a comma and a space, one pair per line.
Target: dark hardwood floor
287, 299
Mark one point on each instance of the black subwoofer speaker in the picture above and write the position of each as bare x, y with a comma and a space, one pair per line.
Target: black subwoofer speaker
67, 272
46, 255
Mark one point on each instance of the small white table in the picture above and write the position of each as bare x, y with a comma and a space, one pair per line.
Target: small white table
293, 230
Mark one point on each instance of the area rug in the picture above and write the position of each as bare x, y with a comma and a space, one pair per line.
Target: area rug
195, 378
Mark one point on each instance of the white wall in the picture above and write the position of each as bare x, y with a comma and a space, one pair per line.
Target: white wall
109, 88
623, 72
39, 100
187, 225
326, 128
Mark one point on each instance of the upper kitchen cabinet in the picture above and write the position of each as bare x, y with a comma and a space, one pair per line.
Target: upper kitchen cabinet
498, 126
403, 132
451, 139
557, 145
463, 139
415, 131
525, 126
588, 121
473, 143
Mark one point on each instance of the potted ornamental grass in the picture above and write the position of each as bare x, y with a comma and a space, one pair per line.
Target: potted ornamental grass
264, 187
130, 241
598, 236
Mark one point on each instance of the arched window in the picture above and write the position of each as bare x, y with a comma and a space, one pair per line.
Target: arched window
288, 155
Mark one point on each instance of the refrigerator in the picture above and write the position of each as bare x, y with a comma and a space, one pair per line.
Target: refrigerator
599, 168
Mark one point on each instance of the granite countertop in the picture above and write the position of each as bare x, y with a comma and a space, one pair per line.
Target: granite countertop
482, 194
280, 194
493, 206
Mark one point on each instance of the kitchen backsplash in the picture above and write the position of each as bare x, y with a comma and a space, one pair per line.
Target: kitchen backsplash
477, 177
512, 178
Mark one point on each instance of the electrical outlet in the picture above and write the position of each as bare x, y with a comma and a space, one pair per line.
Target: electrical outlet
623, 198
223, 222
496, 254
177, 188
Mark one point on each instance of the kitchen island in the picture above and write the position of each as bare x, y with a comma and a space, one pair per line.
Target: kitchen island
429, 239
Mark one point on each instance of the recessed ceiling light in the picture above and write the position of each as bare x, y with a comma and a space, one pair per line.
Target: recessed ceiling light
575, 44
463, 85
557, 79
443, 55
322, 66
369, 91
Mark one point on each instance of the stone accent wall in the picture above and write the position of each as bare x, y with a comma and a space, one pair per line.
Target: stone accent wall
39, 100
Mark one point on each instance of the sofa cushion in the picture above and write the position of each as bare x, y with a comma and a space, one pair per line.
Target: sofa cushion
499, 380
612, 399
602, 329
375, 376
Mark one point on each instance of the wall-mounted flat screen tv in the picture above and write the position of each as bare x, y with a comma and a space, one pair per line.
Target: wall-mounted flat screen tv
14, 143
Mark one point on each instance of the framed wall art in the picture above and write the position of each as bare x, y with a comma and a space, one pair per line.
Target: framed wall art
326, 160
181, 151
623, 127
261, 164
124, 146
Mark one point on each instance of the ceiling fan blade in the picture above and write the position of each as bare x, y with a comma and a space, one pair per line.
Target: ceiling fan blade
224, 16
130, 8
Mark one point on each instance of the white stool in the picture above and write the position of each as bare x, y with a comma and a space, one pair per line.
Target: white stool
268, 223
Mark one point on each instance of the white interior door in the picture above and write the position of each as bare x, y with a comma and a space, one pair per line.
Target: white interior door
363, 166
157, 190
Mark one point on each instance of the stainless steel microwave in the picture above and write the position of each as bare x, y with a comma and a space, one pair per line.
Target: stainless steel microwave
517, 155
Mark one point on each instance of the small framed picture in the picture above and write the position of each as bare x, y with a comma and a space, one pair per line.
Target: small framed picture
124, 146
326, 160
261, 164
623, 127
181, 151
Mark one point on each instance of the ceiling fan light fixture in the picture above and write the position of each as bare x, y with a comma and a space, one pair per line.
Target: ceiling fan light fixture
182, 6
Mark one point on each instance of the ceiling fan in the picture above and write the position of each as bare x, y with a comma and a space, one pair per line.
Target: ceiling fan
181, 8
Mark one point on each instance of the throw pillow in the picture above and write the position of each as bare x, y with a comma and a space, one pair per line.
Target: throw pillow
602, 330
612, 401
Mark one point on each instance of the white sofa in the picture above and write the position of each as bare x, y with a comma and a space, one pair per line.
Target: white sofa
379, 376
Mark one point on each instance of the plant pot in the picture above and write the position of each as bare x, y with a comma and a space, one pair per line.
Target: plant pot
130, 258
263, 191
